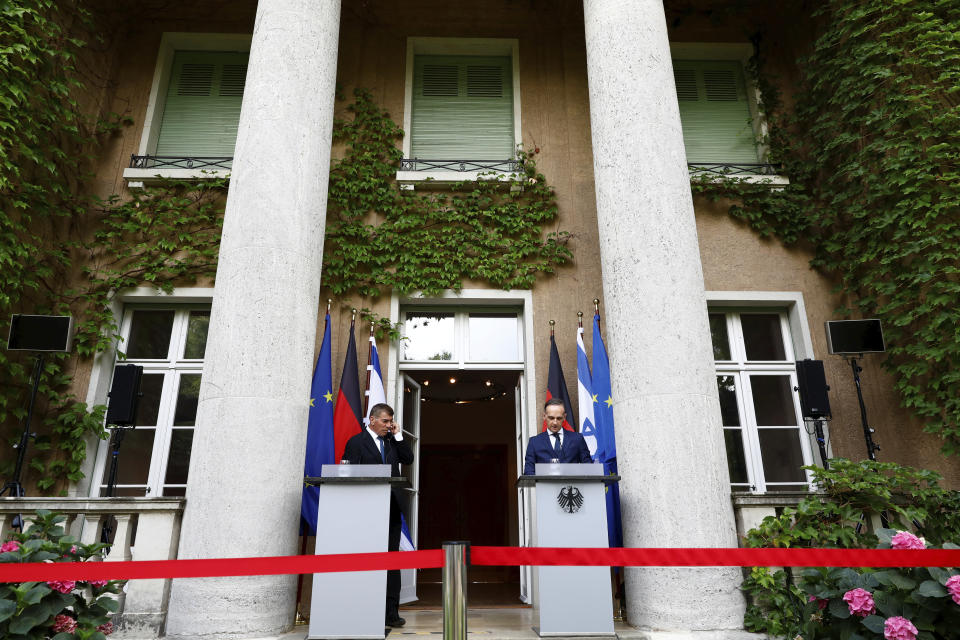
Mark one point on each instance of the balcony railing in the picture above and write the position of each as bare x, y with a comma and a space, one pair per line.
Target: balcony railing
210, 163
732, 169
145, 529
461, 166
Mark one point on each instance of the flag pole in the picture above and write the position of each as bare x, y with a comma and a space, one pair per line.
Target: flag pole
580, 319
552, 324
596, 310
366, 393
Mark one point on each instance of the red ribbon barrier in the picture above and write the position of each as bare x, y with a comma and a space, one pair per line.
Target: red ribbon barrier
495, 556
544, 556
220, 567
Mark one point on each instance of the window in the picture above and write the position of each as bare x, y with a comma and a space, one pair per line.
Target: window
201, 110
461, 109
714, 111
190, 126
719, 111
462, 338
762, 426
155, 455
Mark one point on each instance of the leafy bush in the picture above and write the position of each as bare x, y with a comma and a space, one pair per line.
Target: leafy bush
58, 609
780, 602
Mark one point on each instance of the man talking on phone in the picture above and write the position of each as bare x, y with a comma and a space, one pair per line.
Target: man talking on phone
382, 443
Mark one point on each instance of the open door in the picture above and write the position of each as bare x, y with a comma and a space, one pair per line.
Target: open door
523, 496
408, 397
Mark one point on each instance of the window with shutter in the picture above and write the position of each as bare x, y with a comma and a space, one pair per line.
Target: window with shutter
714, 111
462, 108
202, 106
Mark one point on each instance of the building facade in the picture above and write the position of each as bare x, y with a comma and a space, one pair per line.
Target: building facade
703, 319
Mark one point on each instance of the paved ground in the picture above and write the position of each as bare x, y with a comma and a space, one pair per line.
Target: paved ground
514, 623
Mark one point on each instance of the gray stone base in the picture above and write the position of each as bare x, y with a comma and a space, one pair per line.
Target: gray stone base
139, 625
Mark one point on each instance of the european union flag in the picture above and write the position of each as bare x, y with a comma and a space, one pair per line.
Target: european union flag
319, 432
606, 439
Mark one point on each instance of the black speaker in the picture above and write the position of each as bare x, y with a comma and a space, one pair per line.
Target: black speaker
40, 333
812, 385
124, 394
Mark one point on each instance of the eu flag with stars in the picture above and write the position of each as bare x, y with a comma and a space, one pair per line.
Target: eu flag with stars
319, 432
606, 440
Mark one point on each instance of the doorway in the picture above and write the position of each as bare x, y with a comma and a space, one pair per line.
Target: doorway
468, 470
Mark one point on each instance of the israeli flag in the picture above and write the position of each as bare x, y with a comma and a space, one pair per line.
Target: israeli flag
588, 426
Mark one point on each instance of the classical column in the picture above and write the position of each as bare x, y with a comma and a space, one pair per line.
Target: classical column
675, 490
246, 469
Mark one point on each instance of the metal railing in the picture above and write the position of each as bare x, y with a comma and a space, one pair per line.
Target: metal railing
733, 168
419, 164
181, 162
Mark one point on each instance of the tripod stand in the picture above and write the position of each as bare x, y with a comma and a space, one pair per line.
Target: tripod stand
13, 486
119, 431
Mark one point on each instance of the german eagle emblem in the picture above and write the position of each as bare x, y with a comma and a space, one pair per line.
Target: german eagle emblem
570, 499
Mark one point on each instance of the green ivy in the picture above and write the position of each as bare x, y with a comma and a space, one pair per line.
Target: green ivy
872, 150
381, 238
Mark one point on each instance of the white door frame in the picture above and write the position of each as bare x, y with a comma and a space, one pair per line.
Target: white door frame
528, 410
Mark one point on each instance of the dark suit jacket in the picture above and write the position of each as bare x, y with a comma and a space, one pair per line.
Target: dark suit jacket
540, 449
361, 449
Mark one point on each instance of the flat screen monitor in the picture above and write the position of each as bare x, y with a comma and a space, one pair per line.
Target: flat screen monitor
40, 333
855, 336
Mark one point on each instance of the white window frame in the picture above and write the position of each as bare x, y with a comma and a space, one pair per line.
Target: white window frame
796, 331
461, 340
741, 52
101, 374
458, 47
170, 43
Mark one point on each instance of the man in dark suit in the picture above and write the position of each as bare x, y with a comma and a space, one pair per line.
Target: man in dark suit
382, 443
555, 442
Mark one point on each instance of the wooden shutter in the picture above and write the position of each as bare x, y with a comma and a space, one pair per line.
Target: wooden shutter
202, 107
462, 108
714, 111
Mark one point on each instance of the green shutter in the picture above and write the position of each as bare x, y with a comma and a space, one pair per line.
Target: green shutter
202, 107
714, 111
462, 108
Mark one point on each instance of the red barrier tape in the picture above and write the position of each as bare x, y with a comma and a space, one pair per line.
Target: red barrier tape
277, 565
543, 556
495, 556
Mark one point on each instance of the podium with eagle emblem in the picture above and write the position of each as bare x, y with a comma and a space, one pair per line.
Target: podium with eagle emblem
572, 512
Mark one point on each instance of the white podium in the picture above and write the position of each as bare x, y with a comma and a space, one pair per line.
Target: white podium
572, 512
354, 514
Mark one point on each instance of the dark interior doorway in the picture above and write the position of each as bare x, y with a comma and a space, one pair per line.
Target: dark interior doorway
468, 471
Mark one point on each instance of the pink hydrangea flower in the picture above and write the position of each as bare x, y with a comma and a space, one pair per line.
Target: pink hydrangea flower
98, 583
63, 586
953, 586
821, 602
906, 540
9, 545
860, 602
106, 628
64, 624
899, 628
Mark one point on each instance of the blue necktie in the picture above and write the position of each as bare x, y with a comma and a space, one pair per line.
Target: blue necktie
382, 457
556, 444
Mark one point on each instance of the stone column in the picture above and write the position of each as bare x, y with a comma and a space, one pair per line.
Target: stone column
246, 469
675, 490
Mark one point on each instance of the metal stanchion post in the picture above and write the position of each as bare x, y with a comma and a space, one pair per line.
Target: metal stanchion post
455, 590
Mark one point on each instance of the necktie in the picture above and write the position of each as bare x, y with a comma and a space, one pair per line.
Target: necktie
382, 457
556, 444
